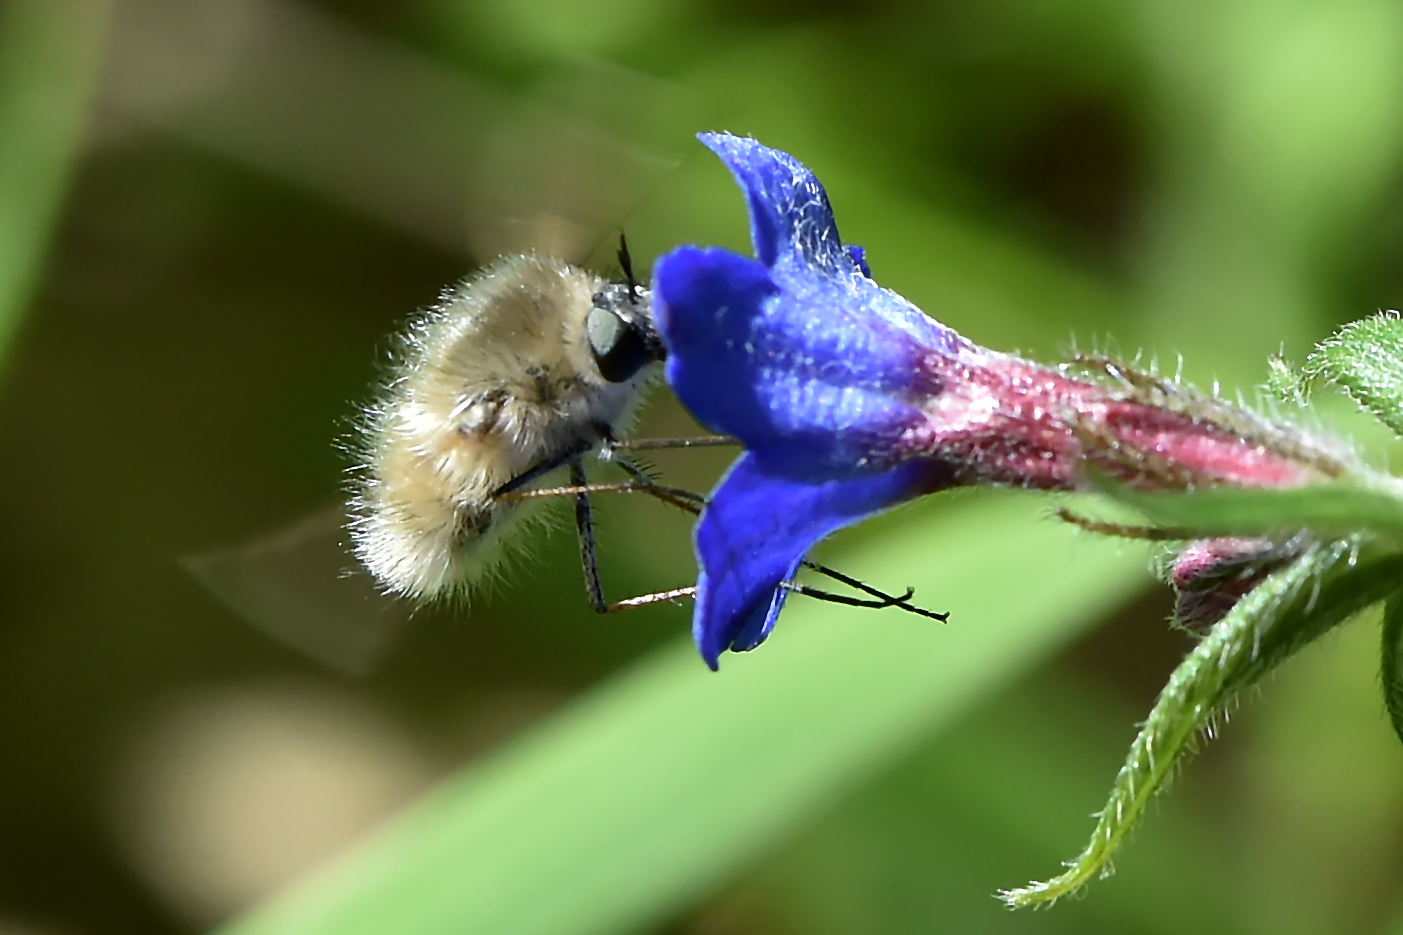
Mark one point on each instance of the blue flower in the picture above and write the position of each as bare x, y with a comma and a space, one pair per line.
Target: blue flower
816, 368
849, 400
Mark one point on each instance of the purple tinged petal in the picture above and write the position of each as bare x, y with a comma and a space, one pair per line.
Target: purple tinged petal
757, 529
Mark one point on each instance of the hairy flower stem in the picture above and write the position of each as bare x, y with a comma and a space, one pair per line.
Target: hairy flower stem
1287, 610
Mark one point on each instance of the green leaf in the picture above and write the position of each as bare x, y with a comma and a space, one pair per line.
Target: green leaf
50, 52
1333, 509
652, 791
1392, 669
1365, 358
1291, 608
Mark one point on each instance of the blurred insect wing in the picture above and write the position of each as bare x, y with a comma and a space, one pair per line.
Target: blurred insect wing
301, 586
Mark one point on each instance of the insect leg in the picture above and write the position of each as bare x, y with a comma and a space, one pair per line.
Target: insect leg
649, 444
584, 524
883, 599
573, 453
829, 597
682, 499
693, 504
568, 456
657, 597
570, 490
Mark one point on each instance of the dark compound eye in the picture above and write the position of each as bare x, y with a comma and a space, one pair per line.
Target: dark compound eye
620, 349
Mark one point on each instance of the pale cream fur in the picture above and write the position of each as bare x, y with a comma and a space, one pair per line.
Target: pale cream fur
495, 380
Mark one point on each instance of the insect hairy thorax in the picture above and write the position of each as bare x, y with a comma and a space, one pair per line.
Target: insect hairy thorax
504, 376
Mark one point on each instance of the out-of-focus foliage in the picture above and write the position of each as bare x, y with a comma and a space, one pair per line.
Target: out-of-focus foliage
49, 60
268, 187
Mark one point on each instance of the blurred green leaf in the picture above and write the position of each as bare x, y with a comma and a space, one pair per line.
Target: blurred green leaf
1365, 358
1284, 129
994, 286
50, 52
989, 284
639, 800
1322, 802
555, 29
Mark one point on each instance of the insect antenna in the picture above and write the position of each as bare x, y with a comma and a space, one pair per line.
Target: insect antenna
626, 264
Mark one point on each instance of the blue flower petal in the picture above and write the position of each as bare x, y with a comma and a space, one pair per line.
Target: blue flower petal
794, 233
789, 209
806, 397
816, 368
756, 625
859, 256
822, 374
757, 529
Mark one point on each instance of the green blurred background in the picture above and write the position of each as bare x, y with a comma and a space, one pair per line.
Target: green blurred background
212, 216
